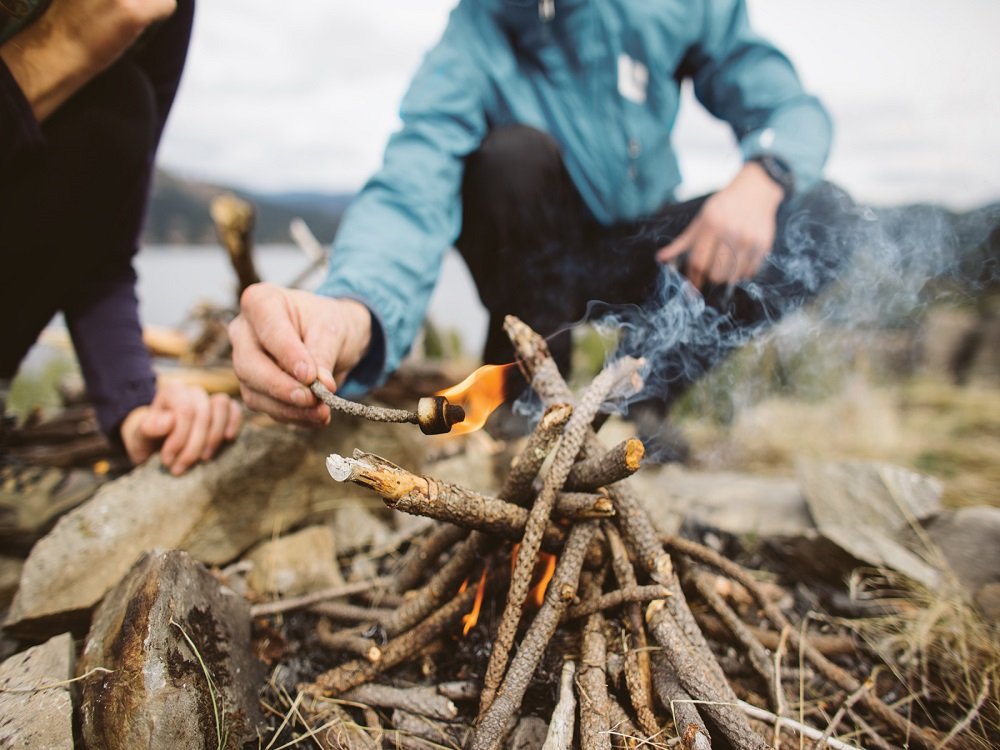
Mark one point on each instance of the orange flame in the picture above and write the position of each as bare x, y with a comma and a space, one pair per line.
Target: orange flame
545, 568
469, 620
479, 394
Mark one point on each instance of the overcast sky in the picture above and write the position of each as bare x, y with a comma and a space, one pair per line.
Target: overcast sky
303, 94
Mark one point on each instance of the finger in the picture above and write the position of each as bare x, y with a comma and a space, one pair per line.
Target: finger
269, 315
156, 424
258, 372
327, 343
314, 416
234, 420
701, 259
726, 264
184, 413
193, 446
679, 246
218, 417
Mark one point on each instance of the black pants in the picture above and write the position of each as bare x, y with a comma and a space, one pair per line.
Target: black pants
535, 251
71, 211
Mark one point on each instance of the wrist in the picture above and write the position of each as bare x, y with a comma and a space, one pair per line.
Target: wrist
776, 170
760, 184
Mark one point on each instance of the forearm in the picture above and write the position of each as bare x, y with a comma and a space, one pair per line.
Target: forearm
107, 337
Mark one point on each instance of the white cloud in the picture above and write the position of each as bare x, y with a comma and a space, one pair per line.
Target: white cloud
306, 98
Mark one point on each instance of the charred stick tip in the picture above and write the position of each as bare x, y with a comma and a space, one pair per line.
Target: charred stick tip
436, 415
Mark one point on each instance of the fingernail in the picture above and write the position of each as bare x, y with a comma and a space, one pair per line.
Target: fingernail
300, 397
301, 371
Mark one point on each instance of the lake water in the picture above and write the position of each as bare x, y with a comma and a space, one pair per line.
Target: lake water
173, 279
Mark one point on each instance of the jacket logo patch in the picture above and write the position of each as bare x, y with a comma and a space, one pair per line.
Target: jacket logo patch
633, 78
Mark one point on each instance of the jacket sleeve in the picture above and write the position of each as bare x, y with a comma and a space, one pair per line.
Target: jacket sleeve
19, 130
746, 81
107, 337
389, 247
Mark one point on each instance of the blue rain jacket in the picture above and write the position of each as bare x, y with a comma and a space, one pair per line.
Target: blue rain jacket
603, 78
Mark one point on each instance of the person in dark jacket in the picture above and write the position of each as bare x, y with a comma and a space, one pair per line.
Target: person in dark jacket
85, 89
536, 138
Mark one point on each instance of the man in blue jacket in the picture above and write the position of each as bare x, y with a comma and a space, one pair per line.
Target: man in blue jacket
536, 138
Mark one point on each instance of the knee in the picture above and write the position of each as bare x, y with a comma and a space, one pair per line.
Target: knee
516, 156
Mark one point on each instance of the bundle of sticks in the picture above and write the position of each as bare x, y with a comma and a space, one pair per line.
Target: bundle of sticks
614, 574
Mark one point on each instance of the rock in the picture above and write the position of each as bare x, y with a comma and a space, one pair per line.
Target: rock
867, 508
178, 645
295, 564
969, 540
737, 504
10, 575
361, 523
40, 719
529, 734
272, 478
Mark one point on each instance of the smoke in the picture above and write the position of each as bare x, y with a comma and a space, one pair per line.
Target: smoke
844, 269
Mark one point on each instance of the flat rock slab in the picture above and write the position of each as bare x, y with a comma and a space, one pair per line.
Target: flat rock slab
295, 564
36, 710
737, 504
178, 645
270, 480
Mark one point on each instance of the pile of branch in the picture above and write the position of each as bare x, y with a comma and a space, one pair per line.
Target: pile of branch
638, 665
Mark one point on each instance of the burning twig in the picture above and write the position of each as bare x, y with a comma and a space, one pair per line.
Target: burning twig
577, 426
619, 463
434, 415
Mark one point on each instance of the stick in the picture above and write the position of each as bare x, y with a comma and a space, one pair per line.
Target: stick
619, 463
425, 496
441, 734
344, 612
580, 506
829, 645
595, 727
803, 729
335, 681
364, 411
563, 720
425, 701
442, 538
923, 737
562, 588
698, 681
638, 675
687, 721
616, 598
624, 733
577, 427
524, 468
347, 640
298, 602
234, 220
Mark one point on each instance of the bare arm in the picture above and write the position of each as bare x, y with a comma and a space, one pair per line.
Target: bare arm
73, 41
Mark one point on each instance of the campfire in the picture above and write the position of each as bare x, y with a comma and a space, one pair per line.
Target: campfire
557, 597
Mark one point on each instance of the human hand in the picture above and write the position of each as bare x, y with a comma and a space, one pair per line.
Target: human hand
73, 41
184, 423
284, 339
733, 233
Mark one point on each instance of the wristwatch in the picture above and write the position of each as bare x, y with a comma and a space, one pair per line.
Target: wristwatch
777, 170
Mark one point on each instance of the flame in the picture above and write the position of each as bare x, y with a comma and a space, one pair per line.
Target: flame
537, 594
545, 568
469, 620
479, 394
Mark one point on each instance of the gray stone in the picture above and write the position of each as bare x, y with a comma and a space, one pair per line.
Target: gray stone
295, 564
969, 540
178, 645
10, 575
36, 709
272, 478
529, 734
737, 504
867, 510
